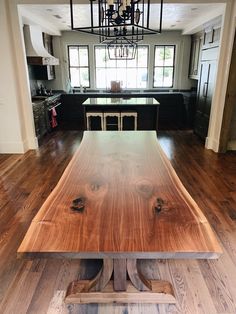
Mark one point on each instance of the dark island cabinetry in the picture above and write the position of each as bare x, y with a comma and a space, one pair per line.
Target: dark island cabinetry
172, 110
72, 111
144, 111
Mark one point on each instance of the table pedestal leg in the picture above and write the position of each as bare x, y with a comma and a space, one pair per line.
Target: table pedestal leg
102, 289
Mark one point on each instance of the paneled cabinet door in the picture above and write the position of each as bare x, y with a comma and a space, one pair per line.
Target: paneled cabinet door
210, 87
204, 99
211, 37
203, 86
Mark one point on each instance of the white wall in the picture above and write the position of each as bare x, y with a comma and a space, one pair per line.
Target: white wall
183, 44
16, 131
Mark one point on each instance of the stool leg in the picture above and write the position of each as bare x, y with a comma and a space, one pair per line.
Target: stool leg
135, 123
119, 122
88, 125
102, 122
105, 123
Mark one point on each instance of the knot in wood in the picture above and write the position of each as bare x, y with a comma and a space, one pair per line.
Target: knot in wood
78, 204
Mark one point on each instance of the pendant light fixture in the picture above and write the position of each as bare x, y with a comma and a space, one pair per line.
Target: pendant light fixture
119, 18
121, 49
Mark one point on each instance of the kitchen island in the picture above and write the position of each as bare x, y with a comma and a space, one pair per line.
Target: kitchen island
145, 108
171, 112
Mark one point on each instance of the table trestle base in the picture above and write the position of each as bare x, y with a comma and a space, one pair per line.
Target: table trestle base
120, 290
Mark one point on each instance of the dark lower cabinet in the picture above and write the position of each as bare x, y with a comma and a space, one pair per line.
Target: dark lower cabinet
204, 98
72, 112
171, 112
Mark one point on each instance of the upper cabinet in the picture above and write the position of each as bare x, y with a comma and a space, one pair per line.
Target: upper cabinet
211, 36
196, 47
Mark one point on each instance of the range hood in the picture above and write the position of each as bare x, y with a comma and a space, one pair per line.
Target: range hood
35, 50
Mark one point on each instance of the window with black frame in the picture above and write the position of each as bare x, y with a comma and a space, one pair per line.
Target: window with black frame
164, 66
132, 73
79, 66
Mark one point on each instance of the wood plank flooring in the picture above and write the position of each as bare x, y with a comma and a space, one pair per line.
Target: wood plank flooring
39, 286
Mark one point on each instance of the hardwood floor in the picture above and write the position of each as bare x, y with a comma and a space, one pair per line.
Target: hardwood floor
205, 286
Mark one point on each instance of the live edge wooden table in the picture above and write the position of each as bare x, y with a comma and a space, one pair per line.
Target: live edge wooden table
120, 200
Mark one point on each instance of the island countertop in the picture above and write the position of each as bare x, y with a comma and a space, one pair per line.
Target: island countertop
133, 101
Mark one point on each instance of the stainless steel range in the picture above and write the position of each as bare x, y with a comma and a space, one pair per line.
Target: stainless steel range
46, 112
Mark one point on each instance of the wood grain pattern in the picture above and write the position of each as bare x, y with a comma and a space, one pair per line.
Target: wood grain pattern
201, 286
120, 275
120, 175
97, 283
137, 279
131, 295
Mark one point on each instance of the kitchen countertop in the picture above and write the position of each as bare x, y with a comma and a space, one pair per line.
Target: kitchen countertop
121, 94
41, 99
133, 101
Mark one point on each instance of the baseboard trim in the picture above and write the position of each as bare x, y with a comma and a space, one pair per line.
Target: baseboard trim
212, 144
231, 145
18, 147
12, 147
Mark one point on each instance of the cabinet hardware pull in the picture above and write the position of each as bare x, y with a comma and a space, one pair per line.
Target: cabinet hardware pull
205, 89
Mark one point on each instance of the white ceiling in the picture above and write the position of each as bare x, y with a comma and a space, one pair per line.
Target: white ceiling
175, 16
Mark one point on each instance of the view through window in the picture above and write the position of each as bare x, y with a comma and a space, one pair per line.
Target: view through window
79, 66
132, 73
164, 66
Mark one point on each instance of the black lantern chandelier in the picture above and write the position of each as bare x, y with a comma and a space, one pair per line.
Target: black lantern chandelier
119, 18
121, 49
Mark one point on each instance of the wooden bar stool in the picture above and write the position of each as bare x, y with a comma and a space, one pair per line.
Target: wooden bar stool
111, 125
129, 114
90, 115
